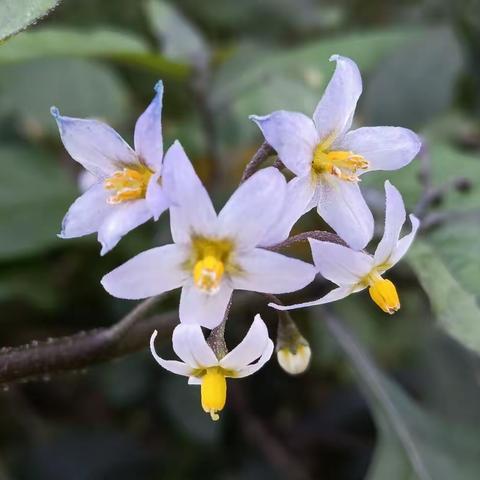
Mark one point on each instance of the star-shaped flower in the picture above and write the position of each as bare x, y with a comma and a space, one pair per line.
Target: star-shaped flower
201, 365
128, 190
328, 159
212, 254
354, 271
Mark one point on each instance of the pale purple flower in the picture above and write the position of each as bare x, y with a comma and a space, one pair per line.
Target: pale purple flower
354, 271
212, 254
328, 159
202, 367
127, 190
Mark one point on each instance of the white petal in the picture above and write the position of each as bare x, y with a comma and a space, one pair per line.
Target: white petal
203, 309
122, 219
252, 208
300, 191
334, 113
332, 296
95, 145
191, 209
265, 271
249, 349
342, 206
194, 381
148, 274
173, 366
156, 197
87, 213
385, 148
254, 367
292, 135
190, 345
339, 264
404, 243
394, 219
148, 132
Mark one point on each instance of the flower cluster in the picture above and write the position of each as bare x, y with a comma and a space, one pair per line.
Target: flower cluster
213, 254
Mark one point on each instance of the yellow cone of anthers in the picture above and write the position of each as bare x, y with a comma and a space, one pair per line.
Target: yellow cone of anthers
128, 184
213, 392
384, 294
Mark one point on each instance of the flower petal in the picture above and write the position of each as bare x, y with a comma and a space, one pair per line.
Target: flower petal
148, 274
254, 367
252, 208
173, 366
156, 198
385, 148
265, 271
300, 191
121, 220
404, 243
394, 219
334, 113
339, 264
249, 349
190, 345
148, 132
292, 135
342, 206
87, 213
203, 309
332, 296
95, 145
191, 209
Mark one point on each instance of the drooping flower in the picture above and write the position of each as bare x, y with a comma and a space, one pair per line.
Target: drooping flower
212, 254
354, 271
328, 159
202, 366
128, 189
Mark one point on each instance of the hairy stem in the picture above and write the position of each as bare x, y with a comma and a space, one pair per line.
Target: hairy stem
260, 156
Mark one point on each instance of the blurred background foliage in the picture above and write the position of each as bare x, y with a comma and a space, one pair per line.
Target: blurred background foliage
408, 408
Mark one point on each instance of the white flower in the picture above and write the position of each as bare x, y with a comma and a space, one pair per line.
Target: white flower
200, 364
127, 191
353, 271
328, 159
212, 254
294, 361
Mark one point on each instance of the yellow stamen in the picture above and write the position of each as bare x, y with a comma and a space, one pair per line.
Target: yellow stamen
208, 273
128, 184
383, 293
213, 392
340, 163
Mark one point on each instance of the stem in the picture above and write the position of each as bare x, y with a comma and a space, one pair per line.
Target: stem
260, 156
303, 237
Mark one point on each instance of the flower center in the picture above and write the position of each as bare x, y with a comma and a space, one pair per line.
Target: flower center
128, 184
213, 392
383, 293
340, 163
210, 260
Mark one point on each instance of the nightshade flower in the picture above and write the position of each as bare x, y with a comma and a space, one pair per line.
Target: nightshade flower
201, 365
127, 191
212, 254
353, 271
328, 159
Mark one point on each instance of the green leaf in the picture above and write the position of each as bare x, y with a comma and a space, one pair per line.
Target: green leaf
34, 195
414, 444
79, 88
15, 15
119, 46
456, 308
179, 39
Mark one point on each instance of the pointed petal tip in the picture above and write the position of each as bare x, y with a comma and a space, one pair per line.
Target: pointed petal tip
159, 87
276, 306
334, 57
55, 112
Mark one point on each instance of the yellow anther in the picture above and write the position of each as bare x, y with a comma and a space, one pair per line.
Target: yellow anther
213, 392
208, 273
128, 184
384, 294
340, 163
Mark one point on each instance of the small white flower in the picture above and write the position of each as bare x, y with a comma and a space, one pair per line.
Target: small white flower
354, 271
212, 254
328, 159
201, 365
127, 190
